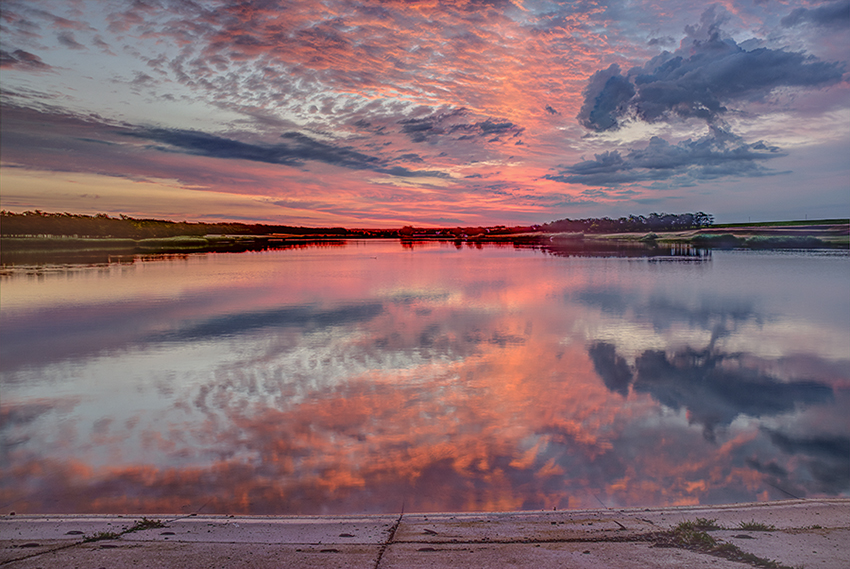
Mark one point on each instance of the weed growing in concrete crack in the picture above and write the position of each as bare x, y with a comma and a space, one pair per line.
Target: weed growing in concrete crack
140, 525
145, 523
692, 535
693, 539
101, 535
756, 526
699, 524
734, 553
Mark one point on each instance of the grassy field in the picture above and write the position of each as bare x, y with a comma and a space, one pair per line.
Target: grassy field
16, 250
816, 234
784, 223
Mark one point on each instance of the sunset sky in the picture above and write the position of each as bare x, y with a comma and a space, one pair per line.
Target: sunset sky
378, 113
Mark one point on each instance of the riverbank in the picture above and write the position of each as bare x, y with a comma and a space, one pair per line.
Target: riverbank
830, 234
50, 249
833, 234
783, 534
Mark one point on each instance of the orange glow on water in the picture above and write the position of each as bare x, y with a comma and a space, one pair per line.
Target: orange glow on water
360, 378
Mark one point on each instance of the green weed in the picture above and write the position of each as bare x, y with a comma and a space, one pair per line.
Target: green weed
692, 535
700, 524
102, 535
140, 525
144, 524
756, 526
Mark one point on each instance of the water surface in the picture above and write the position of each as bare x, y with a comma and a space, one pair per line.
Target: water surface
369, 375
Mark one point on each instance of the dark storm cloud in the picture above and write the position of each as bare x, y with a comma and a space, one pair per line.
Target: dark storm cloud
204, 144
771, 468
835, 15
419, 129
607, 96
713, 156
296, 149
666, 40
20, 59
698, 79
453, 124
714, 387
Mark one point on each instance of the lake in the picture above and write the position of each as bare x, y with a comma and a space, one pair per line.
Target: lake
367, 376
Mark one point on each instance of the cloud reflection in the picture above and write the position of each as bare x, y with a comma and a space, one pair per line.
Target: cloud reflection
715, 388
464, 387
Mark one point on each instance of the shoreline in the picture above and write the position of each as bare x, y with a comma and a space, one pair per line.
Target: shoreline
779, 534
782, 235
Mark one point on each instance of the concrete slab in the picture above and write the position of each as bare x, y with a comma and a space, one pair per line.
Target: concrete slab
244, 529
812, 549
814, 534
548, 556
782, 514
311, 530
198, 555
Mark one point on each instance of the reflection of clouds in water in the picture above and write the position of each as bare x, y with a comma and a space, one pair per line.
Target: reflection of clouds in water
284, 367
711, 313
40, 338
455, 441
480, 396
825, 456
716, 389
19, 418
305, 318
781, 373
513, 427
612, 368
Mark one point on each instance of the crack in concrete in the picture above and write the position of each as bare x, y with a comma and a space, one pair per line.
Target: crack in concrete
656, 538
36, 554
638, 538
389, 541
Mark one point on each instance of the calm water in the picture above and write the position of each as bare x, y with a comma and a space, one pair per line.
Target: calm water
366, 376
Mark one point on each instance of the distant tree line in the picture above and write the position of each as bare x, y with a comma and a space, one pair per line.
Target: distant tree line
36, 222
39, 223
632, 223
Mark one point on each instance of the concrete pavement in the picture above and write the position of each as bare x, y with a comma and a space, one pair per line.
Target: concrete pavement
797, 533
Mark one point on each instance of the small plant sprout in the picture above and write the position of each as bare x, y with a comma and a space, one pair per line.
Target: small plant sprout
756, 526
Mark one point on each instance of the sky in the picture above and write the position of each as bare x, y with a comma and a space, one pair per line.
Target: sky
381, 113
